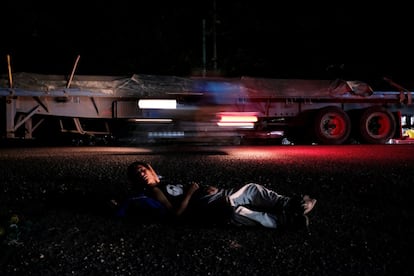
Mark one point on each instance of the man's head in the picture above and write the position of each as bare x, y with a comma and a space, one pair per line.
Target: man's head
142, 173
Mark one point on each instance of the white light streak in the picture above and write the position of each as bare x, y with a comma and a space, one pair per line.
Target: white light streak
157, 104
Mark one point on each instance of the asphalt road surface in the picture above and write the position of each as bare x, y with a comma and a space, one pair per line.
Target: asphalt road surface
54, 220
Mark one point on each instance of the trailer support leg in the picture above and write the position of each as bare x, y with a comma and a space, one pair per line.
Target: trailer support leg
10, 114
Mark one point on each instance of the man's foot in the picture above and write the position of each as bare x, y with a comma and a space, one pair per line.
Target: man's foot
308, 203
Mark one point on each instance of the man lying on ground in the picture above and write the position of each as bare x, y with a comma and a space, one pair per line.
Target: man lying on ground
250, 205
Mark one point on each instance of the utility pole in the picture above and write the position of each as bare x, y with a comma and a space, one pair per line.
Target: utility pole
214, 37
204, 58
204, 47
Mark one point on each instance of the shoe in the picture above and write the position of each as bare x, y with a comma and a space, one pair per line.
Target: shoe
308, 203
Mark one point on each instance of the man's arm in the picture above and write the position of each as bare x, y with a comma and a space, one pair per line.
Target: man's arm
159, 195
184, 203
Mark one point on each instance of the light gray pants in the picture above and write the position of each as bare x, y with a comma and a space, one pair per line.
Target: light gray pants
254, 196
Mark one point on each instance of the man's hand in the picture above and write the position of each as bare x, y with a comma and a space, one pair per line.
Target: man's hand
194, 186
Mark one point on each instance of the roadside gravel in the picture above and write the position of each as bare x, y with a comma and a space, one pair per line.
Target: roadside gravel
56, 221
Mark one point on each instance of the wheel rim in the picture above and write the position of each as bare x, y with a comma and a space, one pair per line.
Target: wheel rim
332, 125
378, 125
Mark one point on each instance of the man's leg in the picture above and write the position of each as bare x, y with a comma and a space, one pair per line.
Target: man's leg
258, 196
246, 217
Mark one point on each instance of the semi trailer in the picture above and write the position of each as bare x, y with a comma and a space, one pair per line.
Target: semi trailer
152, 108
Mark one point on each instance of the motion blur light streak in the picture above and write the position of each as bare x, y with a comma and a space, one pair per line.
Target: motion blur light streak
241, 118
237, 119
157, 104
236, 124
166, 134
153, 120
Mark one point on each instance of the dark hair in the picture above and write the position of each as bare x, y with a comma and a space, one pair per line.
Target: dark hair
132, 170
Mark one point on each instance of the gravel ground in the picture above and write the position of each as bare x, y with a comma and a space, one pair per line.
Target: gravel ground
55, 220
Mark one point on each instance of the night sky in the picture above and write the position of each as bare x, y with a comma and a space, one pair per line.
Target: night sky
253, 38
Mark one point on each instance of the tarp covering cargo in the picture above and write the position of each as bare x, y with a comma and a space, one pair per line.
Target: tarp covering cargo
260, 87
117, 86
162, 86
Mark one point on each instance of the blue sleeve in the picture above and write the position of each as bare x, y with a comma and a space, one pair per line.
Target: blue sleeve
143, 206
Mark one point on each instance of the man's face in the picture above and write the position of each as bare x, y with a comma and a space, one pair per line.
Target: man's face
148, 175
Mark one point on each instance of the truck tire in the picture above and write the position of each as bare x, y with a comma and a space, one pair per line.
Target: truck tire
332, 126
376, 125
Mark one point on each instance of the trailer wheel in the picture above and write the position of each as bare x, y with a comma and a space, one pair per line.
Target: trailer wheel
332, 126
377, 125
